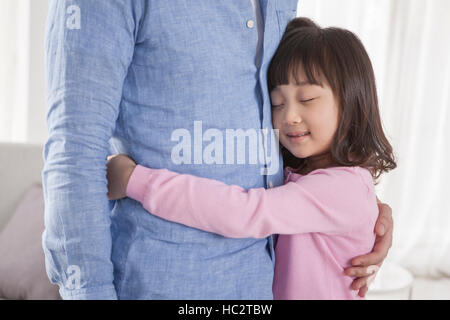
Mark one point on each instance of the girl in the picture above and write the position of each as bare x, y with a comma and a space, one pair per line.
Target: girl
324, 104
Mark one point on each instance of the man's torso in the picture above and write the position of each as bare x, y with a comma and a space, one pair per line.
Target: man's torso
194, 61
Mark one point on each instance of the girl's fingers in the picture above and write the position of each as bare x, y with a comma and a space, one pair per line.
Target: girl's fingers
111, 156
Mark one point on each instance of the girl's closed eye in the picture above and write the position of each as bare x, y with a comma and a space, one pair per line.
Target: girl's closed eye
301, 101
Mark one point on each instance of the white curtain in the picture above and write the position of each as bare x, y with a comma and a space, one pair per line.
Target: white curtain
14, 69
409, 44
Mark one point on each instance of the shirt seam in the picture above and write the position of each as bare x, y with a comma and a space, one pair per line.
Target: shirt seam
125, 260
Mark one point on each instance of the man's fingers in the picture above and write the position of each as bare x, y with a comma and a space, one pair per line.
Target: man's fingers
379, 253
365, 267
359, 283
362, 292
384, 221
375, 257
385, 209
384, 243
361, 271
381, 227
373, 270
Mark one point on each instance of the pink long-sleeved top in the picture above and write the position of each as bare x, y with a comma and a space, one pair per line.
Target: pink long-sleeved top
324, 219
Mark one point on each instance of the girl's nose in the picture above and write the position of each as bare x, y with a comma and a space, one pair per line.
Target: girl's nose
293, 117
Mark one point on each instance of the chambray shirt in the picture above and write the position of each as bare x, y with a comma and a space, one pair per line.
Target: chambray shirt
122, 77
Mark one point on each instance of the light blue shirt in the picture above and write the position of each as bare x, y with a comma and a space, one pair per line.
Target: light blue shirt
122, 77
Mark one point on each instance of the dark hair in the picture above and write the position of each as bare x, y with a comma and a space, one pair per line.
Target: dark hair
340, 57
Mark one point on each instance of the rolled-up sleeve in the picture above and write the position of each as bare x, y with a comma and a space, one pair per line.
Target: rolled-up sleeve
89, 46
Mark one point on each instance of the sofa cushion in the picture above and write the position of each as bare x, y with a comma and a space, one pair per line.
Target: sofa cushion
22, 264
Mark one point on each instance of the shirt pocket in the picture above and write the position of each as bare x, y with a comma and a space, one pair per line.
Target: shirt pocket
284, 17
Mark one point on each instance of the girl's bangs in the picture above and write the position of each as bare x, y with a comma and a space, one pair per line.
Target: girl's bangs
303, 55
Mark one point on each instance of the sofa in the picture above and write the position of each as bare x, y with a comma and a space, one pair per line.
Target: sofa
22, 267
22, 271
20, 166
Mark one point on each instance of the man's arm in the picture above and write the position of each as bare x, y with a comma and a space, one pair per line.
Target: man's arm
89, 46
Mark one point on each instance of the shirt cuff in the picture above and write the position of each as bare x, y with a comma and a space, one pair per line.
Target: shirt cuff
137, 184
100, 293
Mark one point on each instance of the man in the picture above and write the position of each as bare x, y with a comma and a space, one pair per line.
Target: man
127, 75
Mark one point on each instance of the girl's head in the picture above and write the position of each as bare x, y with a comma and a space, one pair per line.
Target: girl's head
322, 84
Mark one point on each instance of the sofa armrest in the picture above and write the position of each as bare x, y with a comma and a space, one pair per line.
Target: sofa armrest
21, 165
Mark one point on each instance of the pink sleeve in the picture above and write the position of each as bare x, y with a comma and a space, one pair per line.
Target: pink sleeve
333, 201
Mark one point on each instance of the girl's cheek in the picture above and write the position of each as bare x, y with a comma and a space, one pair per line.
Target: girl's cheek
276, 123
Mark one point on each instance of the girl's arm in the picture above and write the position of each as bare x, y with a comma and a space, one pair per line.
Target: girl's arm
333, 201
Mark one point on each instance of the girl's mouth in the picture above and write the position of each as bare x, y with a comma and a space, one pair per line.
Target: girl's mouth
298, 136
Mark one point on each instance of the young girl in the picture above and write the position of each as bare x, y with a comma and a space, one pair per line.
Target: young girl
324, 104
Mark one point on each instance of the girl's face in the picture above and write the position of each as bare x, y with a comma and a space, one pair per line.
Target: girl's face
306, 115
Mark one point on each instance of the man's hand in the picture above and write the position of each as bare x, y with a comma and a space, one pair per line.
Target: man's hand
119, 170
364, 268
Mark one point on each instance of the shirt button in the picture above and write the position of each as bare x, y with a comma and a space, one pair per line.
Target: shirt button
271, 184
250, 24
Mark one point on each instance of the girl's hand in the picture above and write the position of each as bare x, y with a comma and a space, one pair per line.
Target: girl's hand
119, 170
